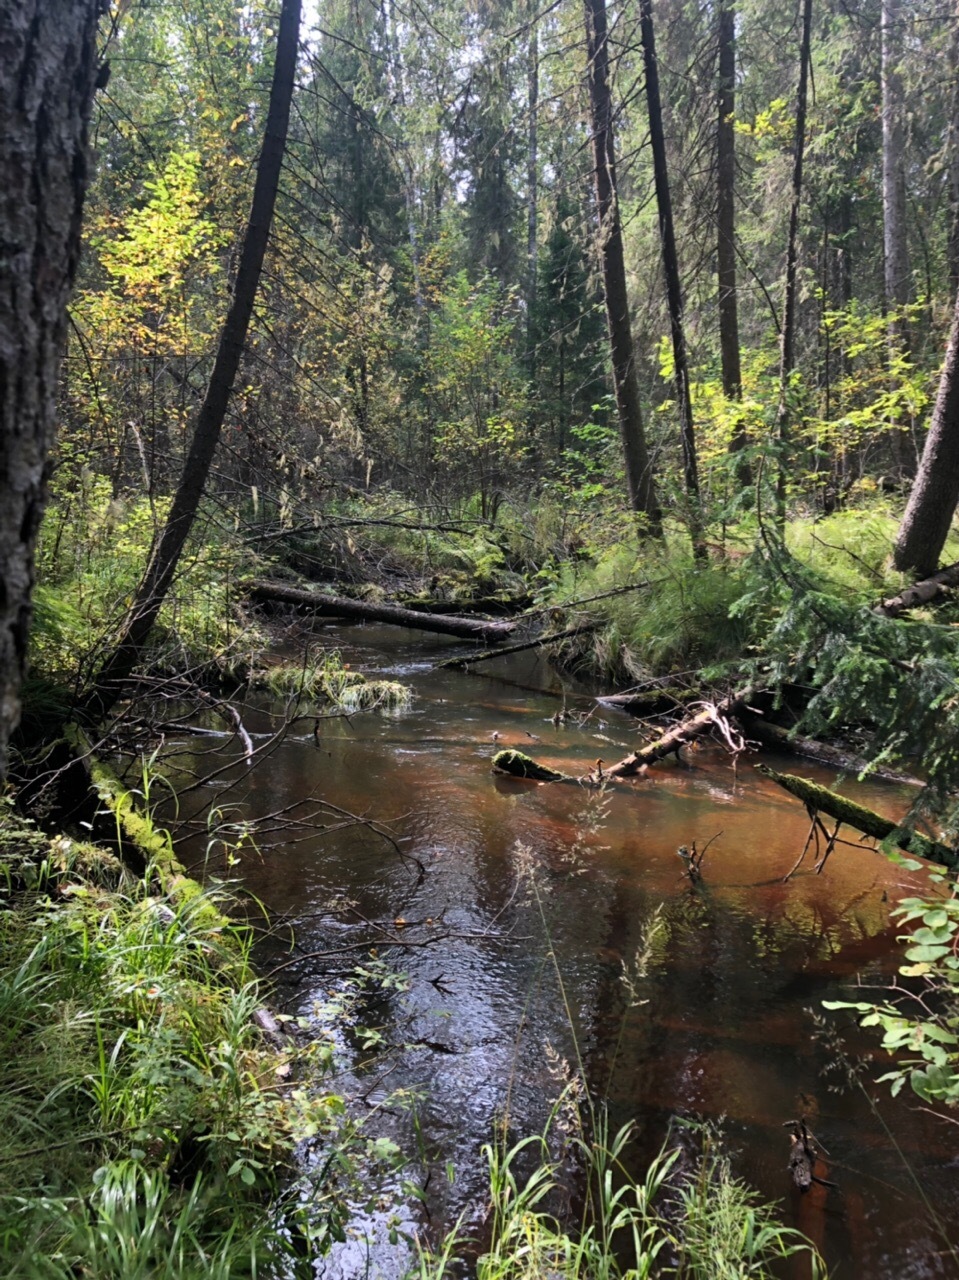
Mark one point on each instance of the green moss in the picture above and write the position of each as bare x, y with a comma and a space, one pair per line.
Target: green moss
518, 765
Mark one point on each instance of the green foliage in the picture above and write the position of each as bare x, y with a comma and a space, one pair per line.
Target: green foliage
143, 1129
92, 552
919, 1024
895, 677
693, 1223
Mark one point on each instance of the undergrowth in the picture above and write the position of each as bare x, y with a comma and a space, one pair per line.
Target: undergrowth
145, 1124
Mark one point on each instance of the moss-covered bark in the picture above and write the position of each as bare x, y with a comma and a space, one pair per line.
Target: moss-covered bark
821, 800
518, 765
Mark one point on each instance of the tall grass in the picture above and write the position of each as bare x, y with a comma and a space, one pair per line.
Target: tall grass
144, 1128
684, 1219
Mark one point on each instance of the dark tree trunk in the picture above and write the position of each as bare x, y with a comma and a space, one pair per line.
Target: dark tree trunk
953, 157
895, 249
674, 292
726, 228
935, 491
896, 275
532, 174
48, 72
206, 434
639, 474
787, 361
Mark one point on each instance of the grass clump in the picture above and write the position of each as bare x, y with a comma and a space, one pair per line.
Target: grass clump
144, 1124
327, 679
687, 1218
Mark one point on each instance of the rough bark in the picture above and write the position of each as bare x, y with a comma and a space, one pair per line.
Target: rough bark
674, 291
364, 611
895, 245
532, 186
896, 276
48, 72
787, 350
726, 229
206, 433
820, 799
952, 145
927, 591
935, 491
639, 476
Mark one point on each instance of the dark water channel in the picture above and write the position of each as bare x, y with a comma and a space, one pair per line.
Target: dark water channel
733, 983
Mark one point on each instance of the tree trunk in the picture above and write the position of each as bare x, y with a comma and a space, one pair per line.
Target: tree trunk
896, 279
394, 614
952, 143
935, 491
674, 292
895, 250
167, 551
726, 229
532, 175
787, 361
48, 72
672, 741
639, 475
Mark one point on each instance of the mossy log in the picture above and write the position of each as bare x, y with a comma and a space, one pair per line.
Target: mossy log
519, 765
498, 606
141, 844
364, 611
819, 799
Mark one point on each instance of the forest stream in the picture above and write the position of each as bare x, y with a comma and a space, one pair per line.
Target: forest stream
722, 1026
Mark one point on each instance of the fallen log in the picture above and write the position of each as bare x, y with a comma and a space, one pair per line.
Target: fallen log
819, 799
499, 606
775, 737
518, 765
920, 593
394, 615
651, 701
468, 659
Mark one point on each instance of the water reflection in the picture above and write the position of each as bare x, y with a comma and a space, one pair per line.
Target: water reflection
725, 1029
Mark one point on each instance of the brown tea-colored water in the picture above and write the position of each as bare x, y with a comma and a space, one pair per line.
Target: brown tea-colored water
725, 1022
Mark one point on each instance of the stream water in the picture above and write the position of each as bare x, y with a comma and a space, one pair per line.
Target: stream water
723, 1024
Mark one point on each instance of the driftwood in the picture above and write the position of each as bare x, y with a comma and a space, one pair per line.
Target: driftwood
342, 607
713, 715
468, 659
819, 799
920, 593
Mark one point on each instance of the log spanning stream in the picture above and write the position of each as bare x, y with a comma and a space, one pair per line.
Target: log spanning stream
733, 988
